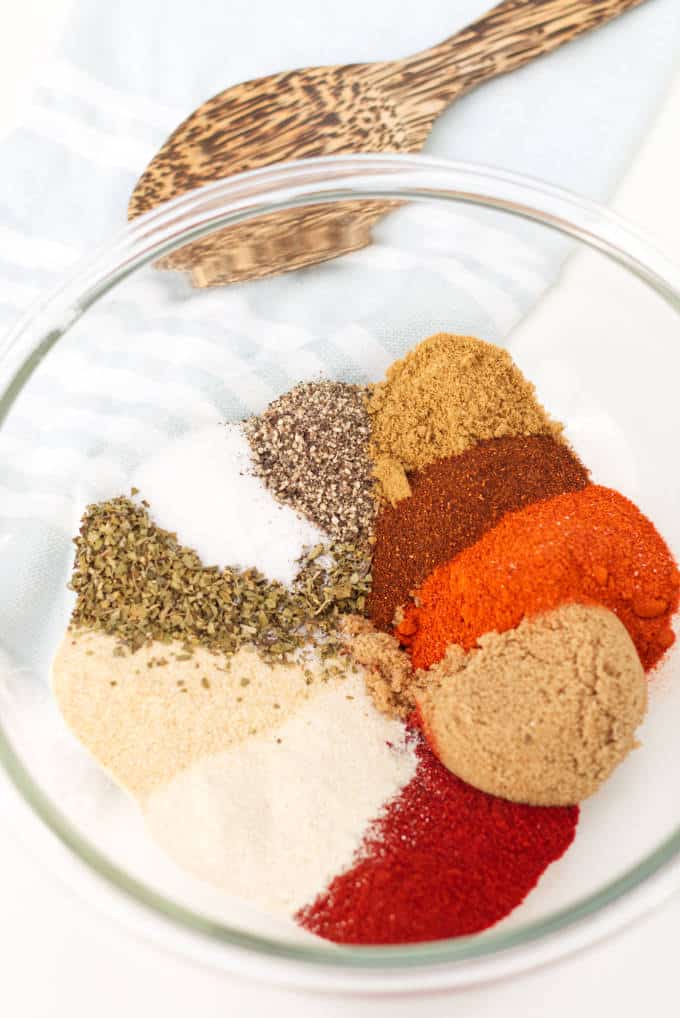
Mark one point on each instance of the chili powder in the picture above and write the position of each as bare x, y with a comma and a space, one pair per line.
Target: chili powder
444, 860
590, 546
456, 500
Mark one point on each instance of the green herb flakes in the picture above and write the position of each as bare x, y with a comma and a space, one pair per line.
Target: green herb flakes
134, 581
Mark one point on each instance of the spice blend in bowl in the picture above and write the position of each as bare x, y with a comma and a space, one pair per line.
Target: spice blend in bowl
422, 644
453, 502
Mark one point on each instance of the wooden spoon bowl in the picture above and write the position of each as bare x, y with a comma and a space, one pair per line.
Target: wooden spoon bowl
380, 107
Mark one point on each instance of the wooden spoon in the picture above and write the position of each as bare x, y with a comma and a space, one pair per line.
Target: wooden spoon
379, 107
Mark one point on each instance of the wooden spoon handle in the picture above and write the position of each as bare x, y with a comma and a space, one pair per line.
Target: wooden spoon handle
509, 36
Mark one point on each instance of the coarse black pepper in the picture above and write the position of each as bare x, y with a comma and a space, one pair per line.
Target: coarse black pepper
310, 447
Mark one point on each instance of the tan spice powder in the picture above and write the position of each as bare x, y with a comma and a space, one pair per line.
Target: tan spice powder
540, 714
390, 679
445, 395
142, 730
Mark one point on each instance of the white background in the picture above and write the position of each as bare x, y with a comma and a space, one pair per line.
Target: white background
59, 959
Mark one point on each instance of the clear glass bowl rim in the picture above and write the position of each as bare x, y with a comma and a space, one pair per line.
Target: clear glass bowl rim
245, 197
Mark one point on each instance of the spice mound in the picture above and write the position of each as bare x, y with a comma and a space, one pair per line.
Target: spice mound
589, 546
389, 674
445, 395
279, 814
220, 508
136, 582
444, 860
540, 714
148, 716
265, 639
310, 447
456, 500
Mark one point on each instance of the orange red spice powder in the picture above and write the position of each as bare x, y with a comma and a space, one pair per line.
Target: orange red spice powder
590, 546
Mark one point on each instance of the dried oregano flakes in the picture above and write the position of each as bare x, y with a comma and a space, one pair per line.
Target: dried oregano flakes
135, 581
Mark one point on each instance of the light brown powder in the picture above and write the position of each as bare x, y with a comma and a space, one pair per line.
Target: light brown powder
541, 714
392, 480
445, 395
389, 677
145, 721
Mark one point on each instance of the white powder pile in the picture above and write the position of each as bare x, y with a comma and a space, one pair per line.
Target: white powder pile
275, 818
202, 488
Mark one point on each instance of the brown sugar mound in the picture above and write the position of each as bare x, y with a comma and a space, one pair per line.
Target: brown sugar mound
540, 714
454, 502
445, 395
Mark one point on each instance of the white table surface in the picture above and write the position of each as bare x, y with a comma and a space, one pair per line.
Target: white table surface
59, 958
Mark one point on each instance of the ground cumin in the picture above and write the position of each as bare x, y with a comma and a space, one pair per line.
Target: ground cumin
445, 395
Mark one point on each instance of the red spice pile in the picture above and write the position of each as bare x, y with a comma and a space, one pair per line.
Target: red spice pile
447, 860
591, 546
444, 861
456, 500
507, 529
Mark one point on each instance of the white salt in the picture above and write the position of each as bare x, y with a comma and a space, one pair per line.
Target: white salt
275, 818
201, 486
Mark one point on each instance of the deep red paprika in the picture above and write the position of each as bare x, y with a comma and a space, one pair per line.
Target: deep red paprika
444, 860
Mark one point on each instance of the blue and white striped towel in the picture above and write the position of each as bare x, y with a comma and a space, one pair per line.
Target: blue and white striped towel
124, 76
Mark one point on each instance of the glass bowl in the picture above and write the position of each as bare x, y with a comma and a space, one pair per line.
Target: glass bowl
124, 356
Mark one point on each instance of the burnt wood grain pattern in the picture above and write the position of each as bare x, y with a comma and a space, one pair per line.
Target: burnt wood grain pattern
380, 107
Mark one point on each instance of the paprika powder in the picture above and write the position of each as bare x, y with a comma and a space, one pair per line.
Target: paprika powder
456, 500
445, 860
589, 546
